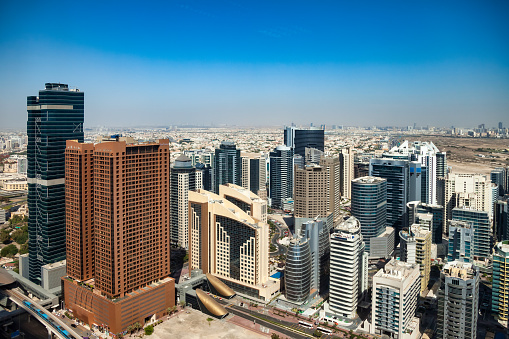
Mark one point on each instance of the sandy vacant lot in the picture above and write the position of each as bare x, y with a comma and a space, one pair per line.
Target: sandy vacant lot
195, 325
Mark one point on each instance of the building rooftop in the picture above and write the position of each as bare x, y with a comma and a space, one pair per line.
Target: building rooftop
368, 180
350, 225
397, 270
503, 246
458, 269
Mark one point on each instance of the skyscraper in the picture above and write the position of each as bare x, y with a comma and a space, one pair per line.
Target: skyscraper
498, 176
55, 116
458, 299
481, 224
229, 239
346, 158
254, 173
416, 249
227, 165
501, 219
311, 138
183, 178
124, 192
395, 295
317, 191
416, 210
369, 206
348, 268
500, 285
289, 136
396, 172
298, 270
281, 175
461, 241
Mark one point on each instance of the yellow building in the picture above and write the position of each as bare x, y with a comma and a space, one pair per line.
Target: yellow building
416, 249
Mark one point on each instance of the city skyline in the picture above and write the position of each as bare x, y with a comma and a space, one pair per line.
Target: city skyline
262, 64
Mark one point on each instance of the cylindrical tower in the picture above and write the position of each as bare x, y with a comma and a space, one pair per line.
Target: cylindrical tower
298, 270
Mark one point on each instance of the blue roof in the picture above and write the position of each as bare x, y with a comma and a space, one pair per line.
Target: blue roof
500, 335
277, 275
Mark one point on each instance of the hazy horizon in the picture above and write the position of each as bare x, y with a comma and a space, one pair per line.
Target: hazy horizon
263, 64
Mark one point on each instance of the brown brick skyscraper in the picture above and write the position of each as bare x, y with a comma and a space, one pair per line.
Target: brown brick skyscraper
119, 197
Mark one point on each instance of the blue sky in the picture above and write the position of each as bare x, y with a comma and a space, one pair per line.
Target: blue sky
261, 63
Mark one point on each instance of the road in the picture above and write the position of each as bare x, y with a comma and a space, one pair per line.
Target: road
18, 298
280, 249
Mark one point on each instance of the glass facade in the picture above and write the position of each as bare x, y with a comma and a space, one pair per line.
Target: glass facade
481, 225
55, 116
227, 165
311, 138
281, 175
369, 206
298, 271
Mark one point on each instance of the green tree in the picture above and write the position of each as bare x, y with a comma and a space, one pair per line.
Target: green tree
5, 238
149, 330
274, 336
209, 319
20, 237
136, 326
9, 251
317, 333
186, 257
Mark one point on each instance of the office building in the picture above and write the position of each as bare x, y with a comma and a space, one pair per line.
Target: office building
317, 191
311, 138
498, 176
312, 155
396, 173
415, 248
501, 221
461, 241
289, 136
346, 158
418, 213
317, 233
415, 182
441, 164
56, 115
500, 283
426, 154
281, 175
469, 190
254, 173
382, 246
395, 296
120, 197
298, 270
481, 224
202, 156
458, 299
369, 206
183, 178
348, 269
361, 169
227, 165
207, 176
229, 243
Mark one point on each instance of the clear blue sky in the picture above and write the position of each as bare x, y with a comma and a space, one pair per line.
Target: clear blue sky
261, 62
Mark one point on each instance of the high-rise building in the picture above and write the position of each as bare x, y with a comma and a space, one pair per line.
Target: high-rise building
254, 173
56, 115
469, 190
311, 138
207, 175
281, 175
458, 299
426, 154
369, 206
441, 164
298, 270
120, 197
346, 158
316, 191
418, 212
289, 136
415, 182
395, 295
461, 241
481, 224
500, 125
416, 249
498, 176
317, 233
230, 243
183, 178
227, 165
500, 284
396, 172
348, 269
501, 220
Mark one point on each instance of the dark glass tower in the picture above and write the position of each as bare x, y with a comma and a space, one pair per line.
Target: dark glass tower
298, 270
55, 116
281, 175
369, 206
311, 138
396, 172
227, 165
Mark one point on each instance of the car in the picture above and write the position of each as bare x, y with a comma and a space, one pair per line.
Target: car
74, 325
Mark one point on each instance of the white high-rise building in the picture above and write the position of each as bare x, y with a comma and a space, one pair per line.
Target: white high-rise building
348, 268
467, 190
346, 159
395, 295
